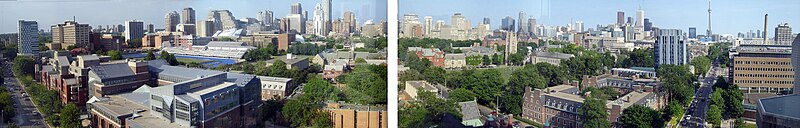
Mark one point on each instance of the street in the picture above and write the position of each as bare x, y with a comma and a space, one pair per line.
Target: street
696, 113
27, 115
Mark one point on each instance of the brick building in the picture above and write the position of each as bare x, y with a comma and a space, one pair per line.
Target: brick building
434, 55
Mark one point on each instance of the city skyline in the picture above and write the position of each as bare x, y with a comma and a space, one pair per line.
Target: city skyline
50, 13
728, 17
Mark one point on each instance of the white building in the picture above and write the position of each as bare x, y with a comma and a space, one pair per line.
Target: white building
319, 21
28, 38
670, 47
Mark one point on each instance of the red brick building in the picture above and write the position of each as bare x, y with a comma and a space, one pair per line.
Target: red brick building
434, 55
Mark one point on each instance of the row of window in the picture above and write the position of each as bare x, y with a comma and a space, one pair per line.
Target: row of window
764, 75
763, 63
765, 69
762, 82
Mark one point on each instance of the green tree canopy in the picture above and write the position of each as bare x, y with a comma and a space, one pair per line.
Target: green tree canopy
701, 65
638, 116
69, 116
594, 113
150, 55
461, 95
115, 55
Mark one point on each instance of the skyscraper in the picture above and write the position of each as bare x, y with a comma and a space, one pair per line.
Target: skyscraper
319, 21
783, 34
151, 28
266, 17
647, 24
71, 33
507, 24
640, 18
458, 21
295, 23
692, 32
223, 19
205, 28
428, 25
28, 36
532, 25
670, 47
620, 18
578, 26
170, 21
326, 14
297, 8
187, 16
523, 26
349, 21
134, 29
486, 20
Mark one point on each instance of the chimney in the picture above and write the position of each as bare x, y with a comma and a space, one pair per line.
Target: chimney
289, 56
766, 31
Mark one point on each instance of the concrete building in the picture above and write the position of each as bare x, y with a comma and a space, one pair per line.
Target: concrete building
428, 25
205, 28
670, 47
188, 16
692, 32
185, 97
276, 87
779, 112
296, 24
553, 58
205, 47
171, 20
641, 72
319, 21
346, 115
522, 26
266, 17
223, 20
620, 18
108, 41
326, 14
186, 29
413, 88
134, 29
783, 34
71, 33
28, 38
762, 68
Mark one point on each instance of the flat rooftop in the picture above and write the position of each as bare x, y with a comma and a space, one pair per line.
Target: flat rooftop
782, 105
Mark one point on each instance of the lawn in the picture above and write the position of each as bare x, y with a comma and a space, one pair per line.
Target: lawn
188, 60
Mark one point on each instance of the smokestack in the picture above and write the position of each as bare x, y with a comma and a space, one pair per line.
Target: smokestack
766, 38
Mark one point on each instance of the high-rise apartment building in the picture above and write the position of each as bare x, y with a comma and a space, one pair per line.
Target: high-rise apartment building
783, 34
326, 14
296, 9
532, 25
28, 38
187, 16
171, 20
428, 25
796, 61
205, 28
223, 19
266, 17
692, 32
134, 29
459, 21
71, 33
670, 47
508, 24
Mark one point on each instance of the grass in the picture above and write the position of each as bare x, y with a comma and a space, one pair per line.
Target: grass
188, 60
749, 125
506, 71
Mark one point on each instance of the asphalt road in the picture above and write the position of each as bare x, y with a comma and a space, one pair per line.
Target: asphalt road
697, 110
26, 114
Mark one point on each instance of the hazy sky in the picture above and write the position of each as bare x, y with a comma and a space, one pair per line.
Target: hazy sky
110, 12
729, 16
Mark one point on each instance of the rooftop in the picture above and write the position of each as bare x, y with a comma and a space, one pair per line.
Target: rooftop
469, 110
295, 59
108, 71
777, 49
420, 85
782, 105
553, 55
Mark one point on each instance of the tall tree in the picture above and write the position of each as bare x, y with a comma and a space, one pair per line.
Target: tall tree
69, 116
115, 55
461, 95
594, 113
714, 115
150, 55
701, 65
638, 116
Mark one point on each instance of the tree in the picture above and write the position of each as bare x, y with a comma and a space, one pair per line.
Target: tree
486, 60
461, 95
714, 115
305, 49
318, 89
135, 43
701, 65
115, 55
527, 76
366, 84
361, 61
638, 116
639, 58
170, 58
271, 108
553, 74
497, 59
150, 55
594, 113
427, 111
733, 100
435, 75
716, 98
674, 109
24, 65
739, 123
473, 60
299, 112
69, 116
10, 51
277, 69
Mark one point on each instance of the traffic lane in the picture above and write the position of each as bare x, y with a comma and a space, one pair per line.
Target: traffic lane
27, 107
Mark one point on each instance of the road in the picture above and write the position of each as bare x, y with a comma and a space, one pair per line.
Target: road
697, 110
27, 116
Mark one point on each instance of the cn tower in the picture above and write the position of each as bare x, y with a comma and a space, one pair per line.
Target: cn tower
708, 33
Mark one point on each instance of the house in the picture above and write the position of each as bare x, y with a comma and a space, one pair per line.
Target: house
291, 61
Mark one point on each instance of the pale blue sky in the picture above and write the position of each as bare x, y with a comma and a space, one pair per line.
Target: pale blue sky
109, 12
729, 16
